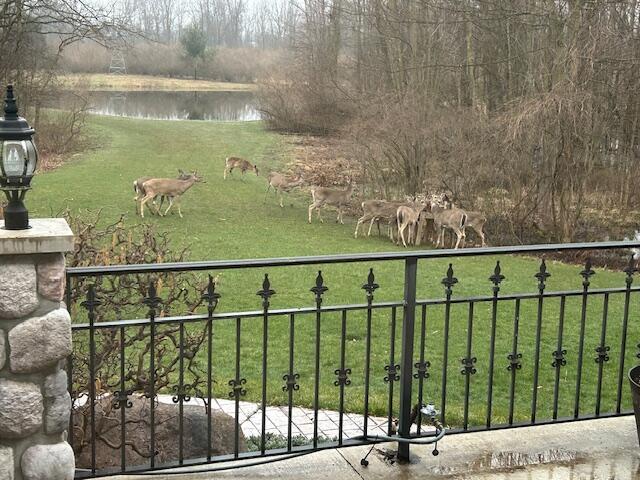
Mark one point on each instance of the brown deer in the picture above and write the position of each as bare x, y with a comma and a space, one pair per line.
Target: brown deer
451, 218
237, 162
407, 217
476, 221
172, 188
282, 183
378, 210
327, 196
140, 193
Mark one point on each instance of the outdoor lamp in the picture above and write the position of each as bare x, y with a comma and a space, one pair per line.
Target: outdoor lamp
18, 158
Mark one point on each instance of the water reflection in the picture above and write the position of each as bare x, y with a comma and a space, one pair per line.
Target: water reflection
220, 106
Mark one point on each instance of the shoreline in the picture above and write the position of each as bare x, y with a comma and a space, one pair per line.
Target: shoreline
105, 82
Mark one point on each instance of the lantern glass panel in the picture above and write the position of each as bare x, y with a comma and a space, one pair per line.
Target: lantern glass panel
32, 157
14, 158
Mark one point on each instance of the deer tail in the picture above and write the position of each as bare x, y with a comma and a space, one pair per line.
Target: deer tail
463, 220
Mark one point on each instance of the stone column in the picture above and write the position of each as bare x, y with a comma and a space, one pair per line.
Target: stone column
35, 340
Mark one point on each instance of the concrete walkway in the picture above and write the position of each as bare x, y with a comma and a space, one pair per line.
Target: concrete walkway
604, 449
277, 421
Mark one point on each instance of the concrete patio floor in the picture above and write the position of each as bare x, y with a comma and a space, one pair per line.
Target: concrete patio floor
604, 449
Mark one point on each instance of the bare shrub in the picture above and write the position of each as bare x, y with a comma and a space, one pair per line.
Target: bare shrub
121, 297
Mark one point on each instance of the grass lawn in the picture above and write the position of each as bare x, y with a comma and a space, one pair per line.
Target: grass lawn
102, 81
230, 219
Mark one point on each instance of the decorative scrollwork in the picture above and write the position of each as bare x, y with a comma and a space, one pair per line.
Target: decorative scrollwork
603, 354
121, 399
392, 373
587, 273
542, 275
515, 362
371, 286
266, 293
468, 368
291, 382
182, 393
343, 376
422, 370
238, 389
449, 281
558, 358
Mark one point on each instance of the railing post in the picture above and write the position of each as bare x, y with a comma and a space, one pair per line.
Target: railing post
406, 361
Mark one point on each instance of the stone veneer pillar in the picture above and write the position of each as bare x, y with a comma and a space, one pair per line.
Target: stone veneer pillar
35, 340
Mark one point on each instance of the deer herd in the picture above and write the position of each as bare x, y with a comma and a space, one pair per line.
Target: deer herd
406, 221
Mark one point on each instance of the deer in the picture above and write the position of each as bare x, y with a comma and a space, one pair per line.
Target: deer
476, 221
407, 217
282, 183
237, 162
169, 187
376, 210
452, 218
140, 193
327, 196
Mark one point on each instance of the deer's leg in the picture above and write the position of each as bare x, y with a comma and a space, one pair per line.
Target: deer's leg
480, 232
440, 237
371, 226
319, 215
169, 207
360, 220
401, 232
179, 205
142, 203
281, 205
311, 207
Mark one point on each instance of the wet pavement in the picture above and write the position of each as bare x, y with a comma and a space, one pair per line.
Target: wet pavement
604, 449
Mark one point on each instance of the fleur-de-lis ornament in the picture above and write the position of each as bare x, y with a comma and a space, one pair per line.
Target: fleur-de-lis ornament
497, 277
449, 281
542, 275
266, 293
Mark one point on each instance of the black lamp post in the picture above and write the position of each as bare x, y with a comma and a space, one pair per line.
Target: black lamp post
18, 158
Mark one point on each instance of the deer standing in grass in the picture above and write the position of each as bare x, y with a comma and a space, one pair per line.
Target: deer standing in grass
408, 217
327, 196
282, 183
378, 210
172, 188
449, 218
236, 162
140, 193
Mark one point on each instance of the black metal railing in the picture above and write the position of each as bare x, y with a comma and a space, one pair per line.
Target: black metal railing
519, 354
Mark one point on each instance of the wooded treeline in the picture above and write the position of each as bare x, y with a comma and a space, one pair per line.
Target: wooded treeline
229, 23
33, 35
242, 38
526, 109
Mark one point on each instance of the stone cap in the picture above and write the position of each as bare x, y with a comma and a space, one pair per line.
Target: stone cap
46, 235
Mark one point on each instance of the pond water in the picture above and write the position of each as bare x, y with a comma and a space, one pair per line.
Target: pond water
171, 105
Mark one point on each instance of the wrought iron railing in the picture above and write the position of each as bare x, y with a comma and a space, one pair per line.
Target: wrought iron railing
502, 359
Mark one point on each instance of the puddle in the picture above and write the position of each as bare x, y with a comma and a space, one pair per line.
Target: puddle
510, 460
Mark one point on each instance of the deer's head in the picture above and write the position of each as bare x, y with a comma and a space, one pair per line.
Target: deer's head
195, 177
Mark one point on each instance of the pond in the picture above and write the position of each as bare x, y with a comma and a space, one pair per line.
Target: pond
173, 105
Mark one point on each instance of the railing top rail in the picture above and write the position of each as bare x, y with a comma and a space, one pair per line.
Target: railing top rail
341, 258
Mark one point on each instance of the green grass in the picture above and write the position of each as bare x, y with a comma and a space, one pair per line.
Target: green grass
229, 219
